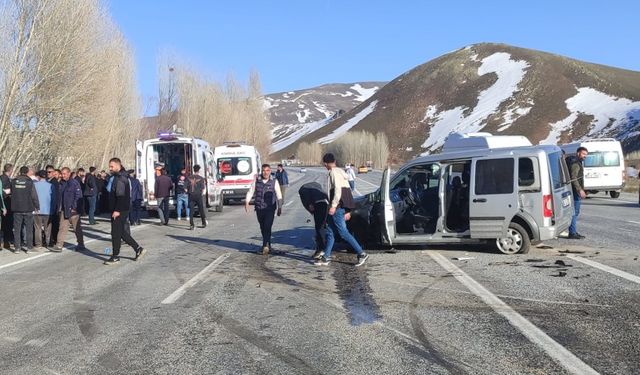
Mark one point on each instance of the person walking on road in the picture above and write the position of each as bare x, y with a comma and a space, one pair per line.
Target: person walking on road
68, 207
351, 177
163, 188
7, 220
24, 200
53, 177
341, 202
196, 186
283, 179
182, 198
81, 178
3, 208
48, 205
90, 193
577, 184
136, 198
268, 202
314, 199
119, 205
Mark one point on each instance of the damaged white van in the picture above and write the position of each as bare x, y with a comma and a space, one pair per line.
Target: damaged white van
481, 188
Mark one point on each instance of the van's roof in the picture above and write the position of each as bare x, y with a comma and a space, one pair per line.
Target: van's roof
459, 141
175, 139
478, 152
234, 149
595, 144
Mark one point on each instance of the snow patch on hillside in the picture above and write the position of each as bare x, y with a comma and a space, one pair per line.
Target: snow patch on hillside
512, 114
364, 93
349, 124
322, 108
609, 113
510, 73
303, 115
298, 132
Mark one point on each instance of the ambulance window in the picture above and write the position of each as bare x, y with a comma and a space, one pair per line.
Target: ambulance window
494, 176
528, 175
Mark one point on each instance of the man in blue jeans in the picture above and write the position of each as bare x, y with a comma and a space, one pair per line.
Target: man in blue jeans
577, 184
340, 203
182, 198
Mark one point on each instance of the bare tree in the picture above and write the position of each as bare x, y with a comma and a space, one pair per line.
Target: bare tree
309, 153
67, 92
219, 112
360, 147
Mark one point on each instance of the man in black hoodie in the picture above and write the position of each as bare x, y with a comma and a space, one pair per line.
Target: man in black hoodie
24, 201
90, 193
120, 204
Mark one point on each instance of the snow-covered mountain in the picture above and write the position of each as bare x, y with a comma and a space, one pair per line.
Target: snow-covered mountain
498, 89
295, 114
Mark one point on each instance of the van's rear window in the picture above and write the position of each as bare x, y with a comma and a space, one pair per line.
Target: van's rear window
603, 159
235, 166
557, 171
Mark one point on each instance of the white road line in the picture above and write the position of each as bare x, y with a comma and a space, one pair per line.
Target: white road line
556, 351
367, 182
611, 270
194, 280
23, 260
100, 238
288, 204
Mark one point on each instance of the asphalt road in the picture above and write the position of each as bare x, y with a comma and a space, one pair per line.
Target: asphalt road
204, 302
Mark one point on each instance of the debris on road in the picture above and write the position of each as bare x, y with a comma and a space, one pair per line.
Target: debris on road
567, 251
463, 258
543, 246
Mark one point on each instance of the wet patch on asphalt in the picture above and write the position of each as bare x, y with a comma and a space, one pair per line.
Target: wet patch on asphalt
356, 294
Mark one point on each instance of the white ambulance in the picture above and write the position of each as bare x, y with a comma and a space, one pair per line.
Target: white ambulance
174, 152
604, 167
238, 165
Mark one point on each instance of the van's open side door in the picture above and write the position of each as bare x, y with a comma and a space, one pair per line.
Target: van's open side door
388, 224
493, 196
140, 162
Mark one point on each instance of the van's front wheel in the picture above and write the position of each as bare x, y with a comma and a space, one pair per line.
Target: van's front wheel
517, 240
614, 194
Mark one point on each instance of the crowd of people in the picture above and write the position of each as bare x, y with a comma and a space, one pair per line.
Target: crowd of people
39, 207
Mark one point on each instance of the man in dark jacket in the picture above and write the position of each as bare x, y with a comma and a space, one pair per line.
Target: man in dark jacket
577, 184
7, 219
100, 185
283, 179
24, 201
90, 193
120, 204
80, 177
52, 178
195, 187
69, 214
315, 200
163, 188
136, 198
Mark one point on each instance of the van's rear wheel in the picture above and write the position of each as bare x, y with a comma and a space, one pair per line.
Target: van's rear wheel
614, 194
517, 240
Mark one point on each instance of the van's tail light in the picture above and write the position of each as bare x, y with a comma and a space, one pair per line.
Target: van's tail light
547, 205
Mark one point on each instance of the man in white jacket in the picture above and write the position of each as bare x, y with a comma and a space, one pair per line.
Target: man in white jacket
340, 205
